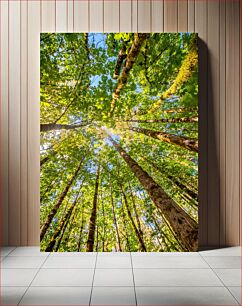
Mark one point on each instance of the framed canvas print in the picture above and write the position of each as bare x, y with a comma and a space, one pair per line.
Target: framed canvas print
119, 142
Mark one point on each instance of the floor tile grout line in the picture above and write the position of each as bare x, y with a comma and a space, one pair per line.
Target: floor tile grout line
3, 258
18, 247
213, 271
14, 248
91, 268
143, 286
135, 295
222, 256
221, 280
90, 299
33, 279
233, 294
96, 256
27, 268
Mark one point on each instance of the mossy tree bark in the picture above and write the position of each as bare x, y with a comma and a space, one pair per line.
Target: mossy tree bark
167, 120
184, 227
181, 141
134, 50
121, 57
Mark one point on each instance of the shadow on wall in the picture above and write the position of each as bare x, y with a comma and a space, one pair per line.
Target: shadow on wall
210, 227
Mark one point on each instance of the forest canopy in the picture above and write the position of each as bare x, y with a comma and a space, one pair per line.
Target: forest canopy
119, 142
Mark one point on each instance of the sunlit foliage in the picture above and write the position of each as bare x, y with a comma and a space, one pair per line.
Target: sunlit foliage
79, 114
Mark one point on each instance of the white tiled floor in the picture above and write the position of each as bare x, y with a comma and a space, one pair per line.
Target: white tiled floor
60, 262
188, 296
113, 277
29, 277
57, 296
113, 296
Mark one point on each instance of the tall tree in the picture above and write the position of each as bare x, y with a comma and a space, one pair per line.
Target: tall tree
180, 141
47, 157
81, 229
48, 189
56, 206
188, 66
164, 236
44, 160
177, 110
86, 46
121, 57
134, 50
183, 225
114, 217
61, 225
135, 211
137, 232
175, 181
46, 127
104, 225
166, 120
116, 80
69, 222
92, 221
126, 233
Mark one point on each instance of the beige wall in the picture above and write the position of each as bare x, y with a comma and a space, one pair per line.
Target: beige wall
217, 23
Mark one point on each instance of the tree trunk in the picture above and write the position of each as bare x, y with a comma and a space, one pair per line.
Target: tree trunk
68, 221
156, 237
135, 211
182, 224
187, 67
161, 236
167, 120
47, 158
58, 230
172, 232
52, 242
164, 236
44, 160
175, 181
180, 141
143, 247
114, 217
121, 57
81, 229
49, 188
104, 224
59, 202
134, 50
125, 227
183, 187
92, 222
177, 110
86, 45
191, 185
46, 127
96, 238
